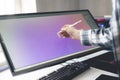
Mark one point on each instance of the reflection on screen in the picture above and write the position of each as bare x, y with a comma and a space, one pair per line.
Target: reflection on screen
34, 40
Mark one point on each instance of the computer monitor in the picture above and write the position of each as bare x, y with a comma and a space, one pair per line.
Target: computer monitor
30, 41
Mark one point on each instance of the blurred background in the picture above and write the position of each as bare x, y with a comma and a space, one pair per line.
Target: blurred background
96, 7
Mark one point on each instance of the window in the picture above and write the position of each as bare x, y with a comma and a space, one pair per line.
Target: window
17, 6
7, 7
25, 6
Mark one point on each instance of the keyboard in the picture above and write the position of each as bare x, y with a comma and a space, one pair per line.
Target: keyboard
67, 72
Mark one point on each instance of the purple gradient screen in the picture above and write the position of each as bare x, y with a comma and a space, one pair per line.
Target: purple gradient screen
34, 40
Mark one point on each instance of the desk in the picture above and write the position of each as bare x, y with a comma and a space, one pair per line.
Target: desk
90, 74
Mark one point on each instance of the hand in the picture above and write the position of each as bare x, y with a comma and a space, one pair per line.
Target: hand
68, 31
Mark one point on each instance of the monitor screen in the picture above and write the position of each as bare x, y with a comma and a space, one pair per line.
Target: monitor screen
30, 41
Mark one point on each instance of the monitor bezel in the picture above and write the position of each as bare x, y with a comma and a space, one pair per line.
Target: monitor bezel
50, 63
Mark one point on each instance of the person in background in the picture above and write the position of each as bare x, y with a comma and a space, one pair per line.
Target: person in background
97, 37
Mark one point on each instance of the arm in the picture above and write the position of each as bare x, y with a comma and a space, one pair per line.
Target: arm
96, 37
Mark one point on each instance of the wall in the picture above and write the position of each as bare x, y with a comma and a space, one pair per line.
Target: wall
57, 5
96, 7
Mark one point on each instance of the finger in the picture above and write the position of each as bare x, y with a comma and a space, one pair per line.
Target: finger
62, 34
59, 34
65, 27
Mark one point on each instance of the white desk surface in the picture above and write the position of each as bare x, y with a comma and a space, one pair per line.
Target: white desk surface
90, 74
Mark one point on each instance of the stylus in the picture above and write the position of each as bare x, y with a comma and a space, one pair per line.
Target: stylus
72, 25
